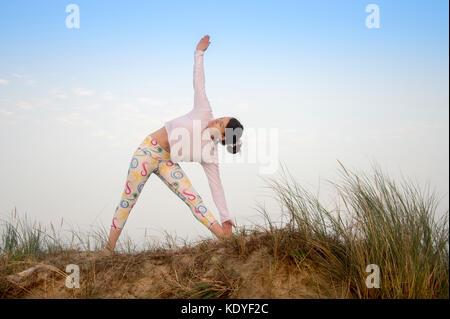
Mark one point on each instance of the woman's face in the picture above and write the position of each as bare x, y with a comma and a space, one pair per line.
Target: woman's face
220, 124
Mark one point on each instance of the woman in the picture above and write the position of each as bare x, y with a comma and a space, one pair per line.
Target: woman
158, 151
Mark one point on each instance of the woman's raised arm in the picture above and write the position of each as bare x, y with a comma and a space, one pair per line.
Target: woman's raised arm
200, 100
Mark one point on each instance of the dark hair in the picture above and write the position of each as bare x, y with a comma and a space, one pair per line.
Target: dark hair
233, 133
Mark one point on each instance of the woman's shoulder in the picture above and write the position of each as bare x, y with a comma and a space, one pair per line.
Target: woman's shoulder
201, 114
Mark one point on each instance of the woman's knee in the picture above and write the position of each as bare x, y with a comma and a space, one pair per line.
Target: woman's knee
140, 169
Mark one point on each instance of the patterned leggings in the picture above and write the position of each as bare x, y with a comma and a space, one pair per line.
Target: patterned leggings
149, 158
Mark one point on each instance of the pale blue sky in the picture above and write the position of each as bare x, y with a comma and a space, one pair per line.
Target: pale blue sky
75, 103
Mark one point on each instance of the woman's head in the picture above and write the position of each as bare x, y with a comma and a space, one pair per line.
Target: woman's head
230, 130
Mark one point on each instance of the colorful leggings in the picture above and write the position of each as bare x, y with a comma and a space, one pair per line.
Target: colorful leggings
149, 158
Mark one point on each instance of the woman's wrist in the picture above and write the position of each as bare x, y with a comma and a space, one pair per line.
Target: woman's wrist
229, 221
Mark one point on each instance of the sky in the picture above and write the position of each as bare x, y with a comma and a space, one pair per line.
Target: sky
76, 102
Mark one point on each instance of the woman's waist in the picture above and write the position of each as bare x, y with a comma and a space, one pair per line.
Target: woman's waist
152, 147
161, 137
182, 149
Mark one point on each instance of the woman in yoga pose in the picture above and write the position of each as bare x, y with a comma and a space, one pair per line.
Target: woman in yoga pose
159, 153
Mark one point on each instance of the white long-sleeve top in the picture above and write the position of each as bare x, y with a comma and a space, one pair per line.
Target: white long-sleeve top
190, 138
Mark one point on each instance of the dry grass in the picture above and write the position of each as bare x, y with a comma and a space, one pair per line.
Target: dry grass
315, 253
210, 269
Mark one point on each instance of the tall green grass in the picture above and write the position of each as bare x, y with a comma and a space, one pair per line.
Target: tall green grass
394, 226
22, 239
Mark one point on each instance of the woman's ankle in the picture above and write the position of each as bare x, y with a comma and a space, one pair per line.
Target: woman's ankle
109, 247
113, 237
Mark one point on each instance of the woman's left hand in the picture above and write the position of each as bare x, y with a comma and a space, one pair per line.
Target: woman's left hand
203, 43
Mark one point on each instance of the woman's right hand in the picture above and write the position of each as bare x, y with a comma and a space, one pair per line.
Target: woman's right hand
203, 44
227, 228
